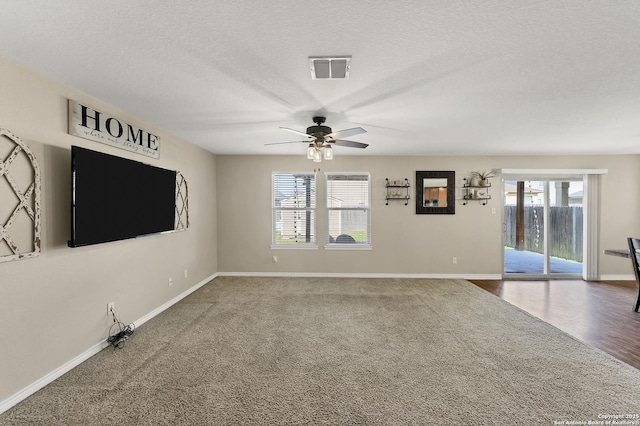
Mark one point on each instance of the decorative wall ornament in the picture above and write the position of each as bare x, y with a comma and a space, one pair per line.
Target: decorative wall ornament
19, 199
435, 192
89, 123
182, 203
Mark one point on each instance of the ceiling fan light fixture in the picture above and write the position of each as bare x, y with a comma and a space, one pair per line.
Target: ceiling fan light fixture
329, 67
328, 153
320, 139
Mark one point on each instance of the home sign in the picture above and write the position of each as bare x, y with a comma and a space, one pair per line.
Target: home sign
89, 123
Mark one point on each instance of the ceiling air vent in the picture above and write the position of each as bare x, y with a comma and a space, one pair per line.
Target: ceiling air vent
329, 67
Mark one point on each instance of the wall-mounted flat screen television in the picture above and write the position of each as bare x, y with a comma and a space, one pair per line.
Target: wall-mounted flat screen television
114, 198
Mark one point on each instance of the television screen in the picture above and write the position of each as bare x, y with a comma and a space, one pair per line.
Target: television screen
115, 198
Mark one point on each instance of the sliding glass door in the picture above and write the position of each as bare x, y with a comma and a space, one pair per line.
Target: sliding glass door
524, 227
565, 227
543, 228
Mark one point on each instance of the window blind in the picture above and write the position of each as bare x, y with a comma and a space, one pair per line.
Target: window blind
348, 208
294, 209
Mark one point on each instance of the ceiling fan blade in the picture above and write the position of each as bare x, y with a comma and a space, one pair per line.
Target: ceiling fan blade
296, 132
350, 144
346, 132
280, 143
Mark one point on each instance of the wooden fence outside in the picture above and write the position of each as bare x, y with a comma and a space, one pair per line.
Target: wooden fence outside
566, 223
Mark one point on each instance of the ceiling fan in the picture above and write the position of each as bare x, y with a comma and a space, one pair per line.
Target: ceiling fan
320, 139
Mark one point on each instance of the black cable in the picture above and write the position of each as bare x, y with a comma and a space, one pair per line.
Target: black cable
123, 332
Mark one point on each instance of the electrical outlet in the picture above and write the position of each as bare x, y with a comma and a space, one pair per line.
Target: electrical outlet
170, 282
110, 307
275, 259
186, 273
454, 260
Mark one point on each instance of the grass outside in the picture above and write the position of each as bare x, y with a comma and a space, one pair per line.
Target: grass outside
286, 240
359, 236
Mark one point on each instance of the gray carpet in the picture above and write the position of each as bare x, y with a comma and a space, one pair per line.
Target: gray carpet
339, 351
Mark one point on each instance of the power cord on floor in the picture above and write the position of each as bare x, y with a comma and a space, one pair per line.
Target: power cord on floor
118, 332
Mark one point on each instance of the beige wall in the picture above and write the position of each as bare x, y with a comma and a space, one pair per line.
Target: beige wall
53, 307
403, 242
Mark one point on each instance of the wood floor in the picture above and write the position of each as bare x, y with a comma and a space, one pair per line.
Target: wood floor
597, 313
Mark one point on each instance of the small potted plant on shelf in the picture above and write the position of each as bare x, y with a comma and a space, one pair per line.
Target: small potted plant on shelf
483, 177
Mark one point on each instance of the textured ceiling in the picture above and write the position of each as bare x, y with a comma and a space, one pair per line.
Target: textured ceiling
427, 77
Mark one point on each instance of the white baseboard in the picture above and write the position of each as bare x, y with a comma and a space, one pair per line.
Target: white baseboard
617, 278
68, 366
43, 381
361, 275
173, 301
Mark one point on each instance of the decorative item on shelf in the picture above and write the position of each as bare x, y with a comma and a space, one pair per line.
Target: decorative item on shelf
474, 191
482, 177
397, 190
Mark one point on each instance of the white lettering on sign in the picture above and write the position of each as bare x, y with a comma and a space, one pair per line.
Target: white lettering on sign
88, 123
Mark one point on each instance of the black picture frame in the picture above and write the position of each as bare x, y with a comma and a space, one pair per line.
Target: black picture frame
435, 192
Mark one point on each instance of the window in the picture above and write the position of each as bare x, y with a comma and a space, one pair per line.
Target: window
348, 210
294, 210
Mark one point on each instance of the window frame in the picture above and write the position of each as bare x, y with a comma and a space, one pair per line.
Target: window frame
347, 246
313, 245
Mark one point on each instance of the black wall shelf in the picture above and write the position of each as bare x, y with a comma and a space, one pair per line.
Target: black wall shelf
398, 190
475, 193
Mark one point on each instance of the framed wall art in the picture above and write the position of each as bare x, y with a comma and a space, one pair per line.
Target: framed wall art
435, 192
